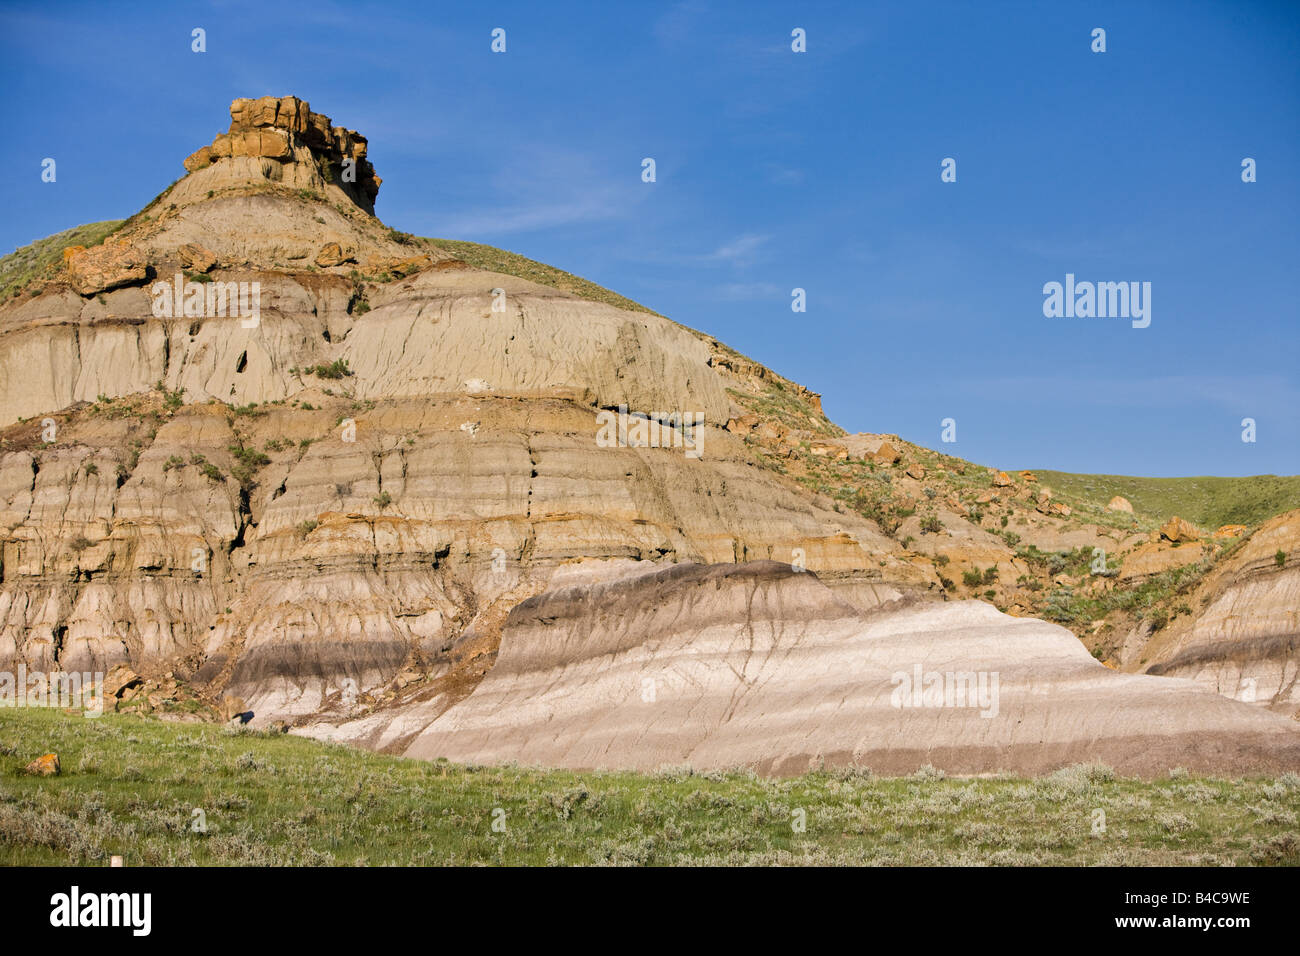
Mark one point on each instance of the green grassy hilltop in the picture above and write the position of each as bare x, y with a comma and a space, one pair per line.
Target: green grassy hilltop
1208, 502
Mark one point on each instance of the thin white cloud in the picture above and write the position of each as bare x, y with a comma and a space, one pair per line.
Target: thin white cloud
544, 189
739, 251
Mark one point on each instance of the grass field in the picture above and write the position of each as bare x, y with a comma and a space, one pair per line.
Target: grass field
130, 786
1206, 501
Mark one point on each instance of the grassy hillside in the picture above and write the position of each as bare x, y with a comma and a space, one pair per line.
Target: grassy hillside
509, 263
1206, 501
44, 256
130, 786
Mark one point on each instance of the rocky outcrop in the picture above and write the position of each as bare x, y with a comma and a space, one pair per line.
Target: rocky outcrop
1244, 642
284, 131
196, 258
757, 665
1156, 557
1178, 530
886, 454
108, 266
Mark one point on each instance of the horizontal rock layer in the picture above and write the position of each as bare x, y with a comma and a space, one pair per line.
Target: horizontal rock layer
1245, 640
757, 665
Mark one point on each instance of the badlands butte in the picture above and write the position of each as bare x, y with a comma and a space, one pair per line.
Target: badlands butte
380, 514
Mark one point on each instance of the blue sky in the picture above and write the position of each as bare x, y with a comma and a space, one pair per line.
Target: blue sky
778, 170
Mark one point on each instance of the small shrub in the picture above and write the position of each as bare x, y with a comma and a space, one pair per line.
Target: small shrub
335, 370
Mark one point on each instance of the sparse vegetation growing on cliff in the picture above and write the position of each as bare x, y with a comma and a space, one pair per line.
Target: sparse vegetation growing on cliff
247, 461
334, 370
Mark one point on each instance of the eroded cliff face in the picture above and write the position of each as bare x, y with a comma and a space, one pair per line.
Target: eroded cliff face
1243, 640
330, 509
347, 495
758, 665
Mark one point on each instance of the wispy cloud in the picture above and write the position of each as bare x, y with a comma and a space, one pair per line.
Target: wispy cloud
544, 189
740, 251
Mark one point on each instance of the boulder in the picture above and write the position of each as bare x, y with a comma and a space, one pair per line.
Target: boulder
46, 766
120, 679
916, 470
105, 267
197, 259
823, 449
331, 254
742, 425
201, 158
1002, 480
1176, 529
1119, 504
886, 454
1230, 531
409, 266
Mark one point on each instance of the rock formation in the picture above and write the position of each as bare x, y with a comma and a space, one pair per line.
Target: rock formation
1244, 642
289, 144
760, 666
331, 510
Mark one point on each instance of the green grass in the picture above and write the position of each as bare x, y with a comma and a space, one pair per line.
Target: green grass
1151, 599
509, 263
1207, 502
43, 257
130, 787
